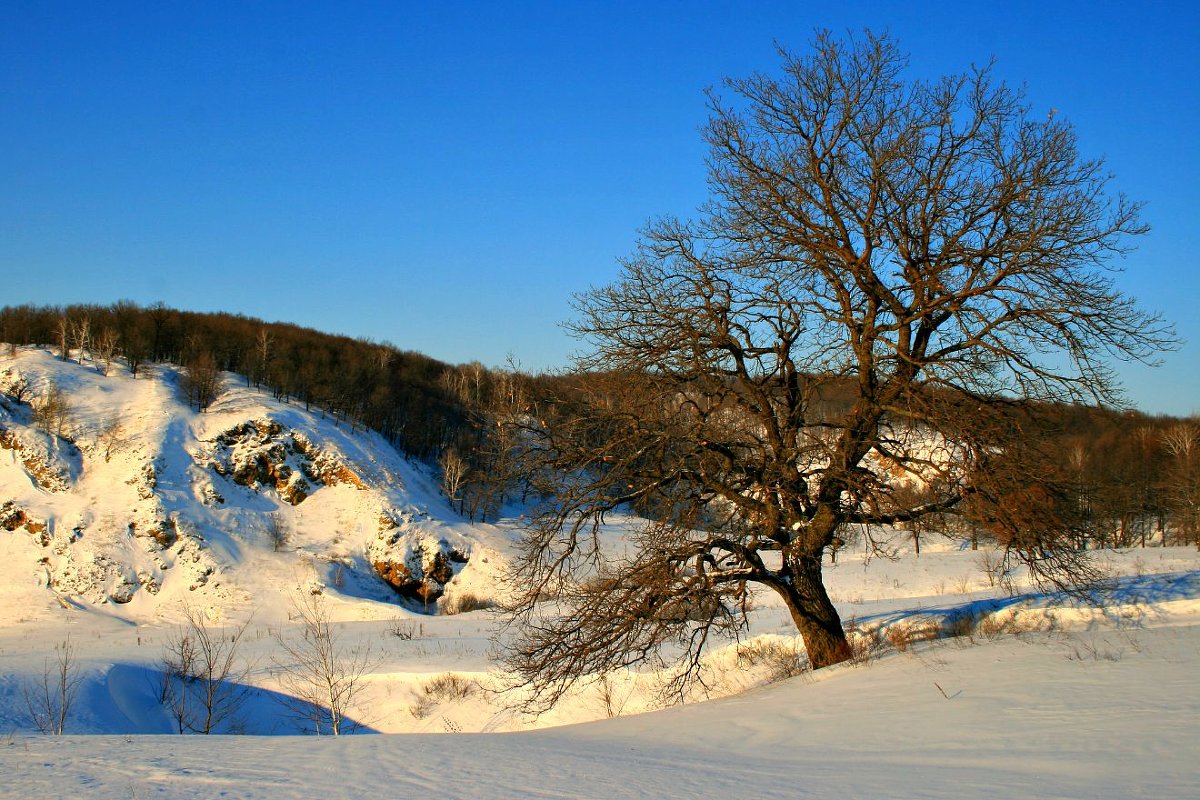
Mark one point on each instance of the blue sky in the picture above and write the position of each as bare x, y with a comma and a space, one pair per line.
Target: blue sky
445, 175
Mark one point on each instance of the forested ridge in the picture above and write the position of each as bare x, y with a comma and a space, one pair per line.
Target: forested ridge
1125, 477
403, 395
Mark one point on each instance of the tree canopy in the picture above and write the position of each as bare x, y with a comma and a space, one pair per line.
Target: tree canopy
928, 251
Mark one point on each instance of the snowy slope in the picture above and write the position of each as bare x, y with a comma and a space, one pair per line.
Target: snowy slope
143, 502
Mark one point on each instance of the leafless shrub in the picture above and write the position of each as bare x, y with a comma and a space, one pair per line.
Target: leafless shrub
277, 529
421, 708
1089, 649
903, 636
322, 676
203, 677
463, 602
613, 705
992, 626
49, 700
993, 565
898, 637
443, 688
405, 630
866, 643
1132, 641
450, 686
781, 658
113, 438
960, 626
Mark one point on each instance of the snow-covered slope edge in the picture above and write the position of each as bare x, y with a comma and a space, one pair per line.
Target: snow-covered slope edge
133, 503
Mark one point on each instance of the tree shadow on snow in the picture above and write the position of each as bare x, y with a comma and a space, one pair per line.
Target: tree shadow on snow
127, 699
1127, 592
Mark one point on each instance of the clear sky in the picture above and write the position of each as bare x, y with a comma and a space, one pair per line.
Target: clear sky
444, 175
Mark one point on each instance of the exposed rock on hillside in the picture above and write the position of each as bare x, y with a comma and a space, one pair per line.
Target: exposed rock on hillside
417, 567
13, 517
262, 454
160, 528
323, 467
100, 563
48, 460
422, 572
92, 575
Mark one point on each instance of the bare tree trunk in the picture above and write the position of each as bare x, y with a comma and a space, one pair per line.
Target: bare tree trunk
63, 329
812, 611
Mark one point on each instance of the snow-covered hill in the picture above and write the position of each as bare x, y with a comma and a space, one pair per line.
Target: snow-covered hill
131, 502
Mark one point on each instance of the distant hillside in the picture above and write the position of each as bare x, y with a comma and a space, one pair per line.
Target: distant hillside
405, 396
1129, 473
114, 492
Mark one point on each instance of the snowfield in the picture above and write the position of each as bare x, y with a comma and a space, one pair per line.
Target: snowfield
964, 690
1034, 716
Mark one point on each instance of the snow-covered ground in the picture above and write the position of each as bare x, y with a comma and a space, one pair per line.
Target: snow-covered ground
968, 690
1028, 717
1097, 712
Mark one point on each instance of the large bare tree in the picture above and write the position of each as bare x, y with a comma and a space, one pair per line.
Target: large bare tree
885, 265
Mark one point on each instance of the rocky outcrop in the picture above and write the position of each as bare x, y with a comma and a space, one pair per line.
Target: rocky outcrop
161, 529
146, 481
12, 517
262, 454
180, 502
255, 455
92, 574
95, 563
323, 467
38, 459
417, 568
416, 577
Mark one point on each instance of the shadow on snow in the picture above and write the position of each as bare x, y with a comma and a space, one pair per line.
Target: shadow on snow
127, 699
1122, 591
